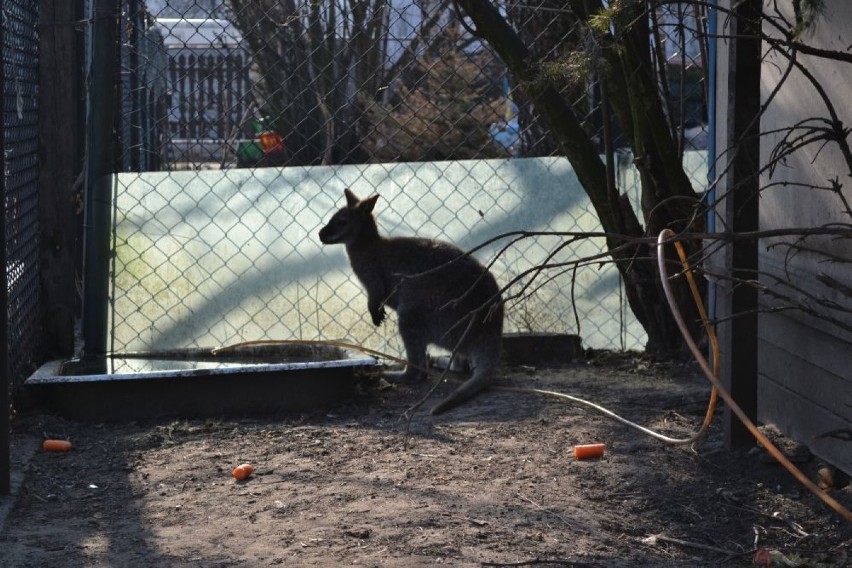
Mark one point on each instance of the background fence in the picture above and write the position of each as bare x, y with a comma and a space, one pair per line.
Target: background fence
208, 72
386, 97
397, 99
143, 91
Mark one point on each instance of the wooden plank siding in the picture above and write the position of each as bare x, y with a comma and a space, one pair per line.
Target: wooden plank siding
804, 387
805, 360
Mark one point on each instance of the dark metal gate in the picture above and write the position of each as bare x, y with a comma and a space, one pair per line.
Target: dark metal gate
21, 321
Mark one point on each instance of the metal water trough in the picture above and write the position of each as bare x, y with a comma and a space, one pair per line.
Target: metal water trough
198, 383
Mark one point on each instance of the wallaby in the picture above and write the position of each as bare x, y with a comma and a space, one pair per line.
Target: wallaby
455, 305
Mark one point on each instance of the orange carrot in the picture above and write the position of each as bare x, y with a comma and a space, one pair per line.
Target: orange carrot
588, 451
56, 445
243, 471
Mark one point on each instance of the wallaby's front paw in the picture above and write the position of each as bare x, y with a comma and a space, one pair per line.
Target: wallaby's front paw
378, 316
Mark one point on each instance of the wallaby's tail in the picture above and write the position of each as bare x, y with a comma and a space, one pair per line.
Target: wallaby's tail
483, 375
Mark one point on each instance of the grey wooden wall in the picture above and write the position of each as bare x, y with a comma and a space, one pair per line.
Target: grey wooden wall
805, 360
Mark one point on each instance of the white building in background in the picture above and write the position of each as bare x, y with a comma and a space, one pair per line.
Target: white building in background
404, 19
180, 9
198, 32
210, 105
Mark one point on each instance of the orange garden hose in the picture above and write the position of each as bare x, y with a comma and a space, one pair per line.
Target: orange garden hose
665, 236
712, 374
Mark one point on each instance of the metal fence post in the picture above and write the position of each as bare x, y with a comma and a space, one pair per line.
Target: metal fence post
738, 335
59, 131
100, 155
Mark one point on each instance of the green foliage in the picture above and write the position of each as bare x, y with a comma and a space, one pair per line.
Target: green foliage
601, 21
573, 68
806, 13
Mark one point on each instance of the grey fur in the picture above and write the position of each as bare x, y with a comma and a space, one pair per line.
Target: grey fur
458, 306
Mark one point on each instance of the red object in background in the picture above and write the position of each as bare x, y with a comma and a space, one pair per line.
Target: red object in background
270, 141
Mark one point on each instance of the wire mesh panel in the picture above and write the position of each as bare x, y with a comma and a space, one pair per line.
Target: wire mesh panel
144, 67
391, 97
20, 152
208, 72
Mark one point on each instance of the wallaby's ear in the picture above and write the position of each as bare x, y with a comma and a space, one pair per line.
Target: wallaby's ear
351, 199
370, 202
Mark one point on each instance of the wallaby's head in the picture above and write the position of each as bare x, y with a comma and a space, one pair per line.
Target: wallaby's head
351, 222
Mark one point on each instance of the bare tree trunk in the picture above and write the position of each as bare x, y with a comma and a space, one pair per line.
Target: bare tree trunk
307, 72
668, 198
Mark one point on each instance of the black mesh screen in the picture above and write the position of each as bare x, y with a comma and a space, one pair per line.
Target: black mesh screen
20, 183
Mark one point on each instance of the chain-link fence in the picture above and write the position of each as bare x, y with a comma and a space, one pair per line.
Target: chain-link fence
392, 97
20, 144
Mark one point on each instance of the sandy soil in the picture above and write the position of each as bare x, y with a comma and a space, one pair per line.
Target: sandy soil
493, 483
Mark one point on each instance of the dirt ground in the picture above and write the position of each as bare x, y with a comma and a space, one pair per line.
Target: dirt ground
492, 483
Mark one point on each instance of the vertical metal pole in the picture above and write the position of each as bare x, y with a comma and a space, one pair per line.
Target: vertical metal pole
103, 54
5, 381
710, 197
133, 151
711, 63
737, 304
59, 122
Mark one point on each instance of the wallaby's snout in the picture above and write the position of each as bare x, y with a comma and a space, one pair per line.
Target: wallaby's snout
325, 235
348, 223
338, 229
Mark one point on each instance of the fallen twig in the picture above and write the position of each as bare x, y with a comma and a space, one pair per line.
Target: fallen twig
557, 515
555, 561
655, 538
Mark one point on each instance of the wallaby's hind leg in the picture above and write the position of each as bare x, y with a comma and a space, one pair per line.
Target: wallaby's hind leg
415, 340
